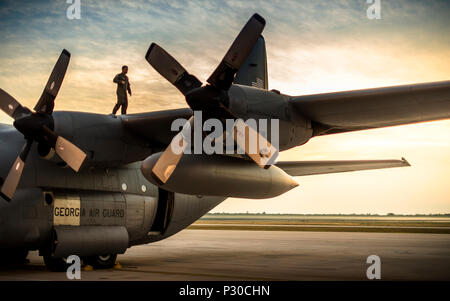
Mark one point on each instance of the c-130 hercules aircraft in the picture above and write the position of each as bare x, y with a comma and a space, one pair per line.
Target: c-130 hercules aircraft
127, 187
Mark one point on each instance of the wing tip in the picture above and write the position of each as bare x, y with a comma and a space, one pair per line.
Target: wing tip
405, 162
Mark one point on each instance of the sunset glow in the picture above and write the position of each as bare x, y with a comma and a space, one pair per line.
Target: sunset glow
312, 46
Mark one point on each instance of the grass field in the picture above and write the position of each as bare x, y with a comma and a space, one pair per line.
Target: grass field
326, 223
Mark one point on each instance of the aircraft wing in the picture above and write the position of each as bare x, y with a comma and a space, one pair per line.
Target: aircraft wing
5, 126
306, 168
339, 112
155, 126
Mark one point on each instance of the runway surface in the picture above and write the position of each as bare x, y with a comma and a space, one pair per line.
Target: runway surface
269, 255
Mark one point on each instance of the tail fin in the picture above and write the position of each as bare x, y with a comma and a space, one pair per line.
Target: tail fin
254, 70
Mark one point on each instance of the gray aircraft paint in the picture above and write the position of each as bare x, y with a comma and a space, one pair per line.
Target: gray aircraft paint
253, 72
110, 190
107, 180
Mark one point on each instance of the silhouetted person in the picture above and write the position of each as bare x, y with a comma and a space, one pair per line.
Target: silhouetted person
123, 85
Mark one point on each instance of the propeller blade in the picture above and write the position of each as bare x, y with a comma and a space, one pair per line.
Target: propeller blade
47, 101
71, 154
8, 104
171, 70
223, 76
168, 161
263, 156
12, 180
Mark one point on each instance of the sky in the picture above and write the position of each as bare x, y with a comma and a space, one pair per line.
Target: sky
312, 47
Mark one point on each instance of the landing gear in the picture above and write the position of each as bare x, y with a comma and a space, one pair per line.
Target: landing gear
59, 264
13, 256
102, 261
55, 264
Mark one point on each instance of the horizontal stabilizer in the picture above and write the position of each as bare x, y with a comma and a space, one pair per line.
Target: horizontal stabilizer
306, 168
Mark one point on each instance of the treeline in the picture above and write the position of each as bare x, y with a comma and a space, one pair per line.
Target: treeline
336, 214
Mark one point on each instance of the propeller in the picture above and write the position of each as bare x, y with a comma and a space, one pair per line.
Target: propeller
38, 126
211, 99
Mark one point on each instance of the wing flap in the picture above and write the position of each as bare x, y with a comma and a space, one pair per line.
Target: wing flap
306, 168
373, 108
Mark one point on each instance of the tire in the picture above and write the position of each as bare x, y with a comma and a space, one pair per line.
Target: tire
102, 261
55, 264
13, 256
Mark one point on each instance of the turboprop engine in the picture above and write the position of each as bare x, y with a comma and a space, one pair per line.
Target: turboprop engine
220, 175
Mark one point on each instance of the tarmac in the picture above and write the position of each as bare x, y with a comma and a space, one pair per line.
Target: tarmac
267, 255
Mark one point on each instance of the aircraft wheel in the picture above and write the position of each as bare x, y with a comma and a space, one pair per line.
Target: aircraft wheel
14, 256
55, 264
102, 261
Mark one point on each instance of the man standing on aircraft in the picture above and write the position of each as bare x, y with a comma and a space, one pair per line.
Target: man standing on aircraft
123, 85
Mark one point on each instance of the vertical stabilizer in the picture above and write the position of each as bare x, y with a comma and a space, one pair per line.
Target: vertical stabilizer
254, 70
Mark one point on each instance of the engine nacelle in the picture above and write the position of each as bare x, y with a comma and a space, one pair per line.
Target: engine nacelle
220, 175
